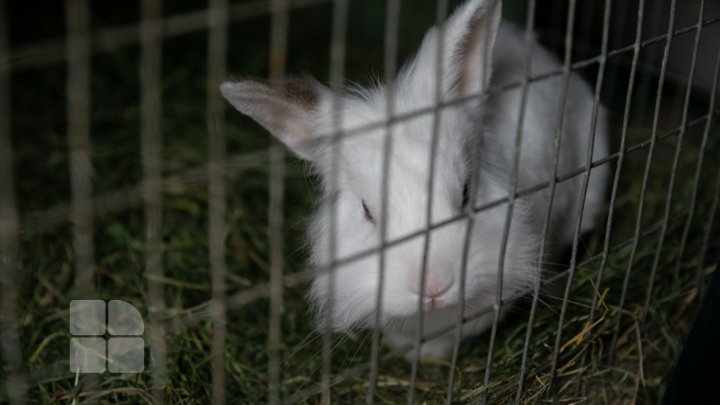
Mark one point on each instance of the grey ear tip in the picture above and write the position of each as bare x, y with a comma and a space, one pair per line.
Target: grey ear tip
227, 87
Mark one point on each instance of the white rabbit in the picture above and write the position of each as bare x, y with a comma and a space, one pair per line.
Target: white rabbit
301, 114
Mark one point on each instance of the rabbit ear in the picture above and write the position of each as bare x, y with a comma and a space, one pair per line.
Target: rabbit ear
468, 41
287, 110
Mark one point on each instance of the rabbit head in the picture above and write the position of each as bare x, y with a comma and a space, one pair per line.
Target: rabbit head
344, 138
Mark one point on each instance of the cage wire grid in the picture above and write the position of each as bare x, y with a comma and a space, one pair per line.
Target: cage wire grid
76, 51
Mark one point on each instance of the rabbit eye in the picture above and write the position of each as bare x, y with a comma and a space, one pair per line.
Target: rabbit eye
465, 195
368, 215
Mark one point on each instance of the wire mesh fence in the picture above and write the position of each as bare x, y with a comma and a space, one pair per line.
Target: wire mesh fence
124, 176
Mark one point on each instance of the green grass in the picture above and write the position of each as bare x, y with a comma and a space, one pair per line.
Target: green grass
46, 260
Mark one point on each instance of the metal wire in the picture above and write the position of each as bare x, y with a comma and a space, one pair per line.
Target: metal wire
618, 167
357, 370
217, 55
469, 212
77, 22
151, 150
673, 171
558, 135
513, 185
40, 374
390, 67
337, 76
441, 12
78, 132
400, 117
149, 33
646, 175
259, 291
551, 192
111, 39
112, 202
15, 385
179, 323
47, 220
278, 58
581, 204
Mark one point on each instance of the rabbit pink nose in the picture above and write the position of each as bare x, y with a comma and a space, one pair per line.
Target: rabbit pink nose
435, 285
434, 290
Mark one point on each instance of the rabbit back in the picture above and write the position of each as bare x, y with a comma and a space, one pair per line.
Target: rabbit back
544, 99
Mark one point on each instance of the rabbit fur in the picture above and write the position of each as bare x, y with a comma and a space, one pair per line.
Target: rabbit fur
304, 115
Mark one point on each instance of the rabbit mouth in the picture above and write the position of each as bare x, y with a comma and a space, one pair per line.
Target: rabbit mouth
434, 316
435, 303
